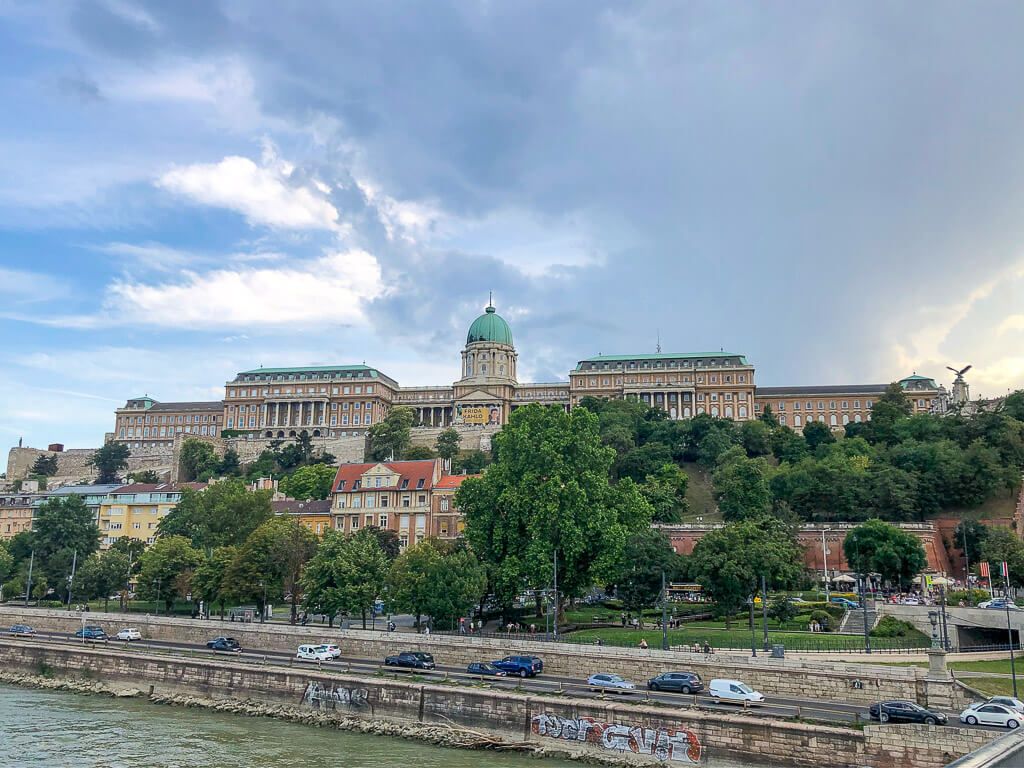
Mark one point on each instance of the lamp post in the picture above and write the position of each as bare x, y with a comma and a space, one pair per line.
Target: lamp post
28, 587
764, 611
864, 607
664, 613
933, 618
71, 578
824, 561
942, 618
753, 640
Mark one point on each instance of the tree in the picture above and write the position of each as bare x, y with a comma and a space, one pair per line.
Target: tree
782, 610
665, 491
6, 566
646, 556
447, 446
741, 486
310, 482
129, 546
390, 438
817, 433
388, 540
230, 466
63, 525
417, 453
729, 562
879, 547
756, 437
109, 461
220, 515
548, 496
144, 476
208, 579
163, 565
197, 460
45, 465
1002, 544
412, 579
717, 441
472, 462
102, 574
974, 535
1013, 405
768, 416
346, 575
642, 462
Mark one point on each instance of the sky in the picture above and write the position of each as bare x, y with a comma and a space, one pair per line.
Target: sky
192, 189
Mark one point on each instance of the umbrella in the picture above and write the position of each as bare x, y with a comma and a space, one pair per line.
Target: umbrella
916, 580
844, 577
942, 581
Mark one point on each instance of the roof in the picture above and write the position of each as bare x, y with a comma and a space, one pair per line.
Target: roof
309, 369
295, 506
157, 488
451, 481
413, 471
84, 490
662, 356
205, 405
490, 326
826, 389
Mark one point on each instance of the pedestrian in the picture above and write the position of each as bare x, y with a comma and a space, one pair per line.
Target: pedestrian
426, 630
643, 644
707, 647
623, 618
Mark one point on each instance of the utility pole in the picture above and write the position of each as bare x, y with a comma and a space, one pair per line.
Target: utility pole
942, 613
864, 608
664, 613
824, 560
28, 587
71, 578
967, 560
764, 611
1009, 630
554, 625
753, 641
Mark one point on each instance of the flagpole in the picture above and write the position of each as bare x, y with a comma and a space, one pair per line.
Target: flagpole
1009, 630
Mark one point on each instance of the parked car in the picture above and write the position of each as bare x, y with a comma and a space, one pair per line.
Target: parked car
905, 712
910, 601
734, 690
411, 659
21, 630
225, 644
999, 604
92, 632
523, 666
483, 668
332, 649
991, 714
313, 653
844, 602
1006, 701
128, 634
602, 680
683, 682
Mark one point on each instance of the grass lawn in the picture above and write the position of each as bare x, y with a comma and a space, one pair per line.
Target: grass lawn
586, 614
996, 666
699, 496
737, 638
992, 686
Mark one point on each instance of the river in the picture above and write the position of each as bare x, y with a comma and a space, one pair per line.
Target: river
54, 729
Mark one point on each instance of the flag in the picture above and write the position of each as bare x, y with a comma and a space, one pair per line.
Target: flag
1004, 571
983, 570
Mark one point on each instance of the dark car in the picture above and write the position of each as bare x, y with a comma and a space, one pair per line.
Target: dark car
682, 682
225, 644
410, 660
483, 668
905, 712
524, 666
22, 630
92, 633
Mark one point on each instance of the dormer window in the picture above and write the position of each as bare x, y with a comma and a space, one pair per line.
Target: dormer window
341, 485
419, 484
405, 483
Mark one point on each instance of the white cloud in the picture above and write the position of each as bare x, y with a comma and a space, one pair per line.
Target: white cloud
24, 287
151, 255
263, 193
1011, 323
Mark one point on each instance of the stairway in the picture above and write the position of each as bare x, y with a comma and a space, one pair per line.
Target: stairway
853, 621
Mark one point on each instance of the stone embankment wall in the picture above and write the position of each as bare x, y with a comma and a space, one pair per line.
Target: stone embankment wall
837, 681
73, 464
632, 733
473, 437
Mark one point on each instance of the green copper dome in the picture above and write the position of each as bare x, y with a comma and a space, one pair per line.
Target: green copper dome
490, 326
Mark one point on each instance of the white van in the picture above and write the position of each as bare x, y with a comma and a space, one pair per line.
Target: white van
734, 690
313, 653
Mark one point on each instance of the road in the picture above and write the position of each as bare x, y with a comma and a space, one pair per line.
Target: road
805, 708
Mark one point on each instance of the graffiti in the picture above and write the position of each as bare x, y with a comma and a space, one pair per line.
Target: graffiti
666, 745
319, 697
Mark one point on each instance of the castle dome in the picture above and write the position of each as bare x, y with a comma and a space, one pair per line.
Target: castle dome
490, 326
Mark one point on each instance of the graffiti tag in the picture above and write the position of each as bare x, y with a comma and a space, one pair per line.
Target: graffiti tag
661, 743
329, 698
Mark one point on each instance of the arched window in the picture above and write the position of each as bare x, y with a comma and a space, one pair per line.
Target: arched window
483, 369
686, 412
743, 411
846, 419
501, 369
856, 418
714, 410
728, 411
832, 421
797, 421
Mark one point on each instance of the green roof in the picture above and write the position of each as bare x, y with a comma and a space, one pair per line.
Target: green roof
490, 326
662, 356
308, 369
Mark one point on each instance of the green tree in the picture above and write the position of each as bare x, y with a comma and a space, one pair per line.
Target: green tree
197, 460
310, 482
548, 495
756, 436
417, 453
717, 441
6, 567
1001, 544
741, 486
390, 438
768, 416
129, 546
144, 476
879, 547
109, 461
63, 525
230, 466
412, 579
45, 465
388, 540
646, 556
101, 575
208, 579
220, 515
162, 567
1013, 406
473, 462
665, 491
641, 462
447, 445
346, 575
817, 433
782, 610
729, 562
970, 537
788, 446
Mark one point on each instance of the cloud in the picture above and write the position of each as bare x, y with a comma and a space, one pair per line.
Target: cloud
264, 194
24, 287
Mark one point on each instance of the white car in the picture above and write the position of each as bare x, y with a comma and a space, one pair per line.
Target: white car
991, 714
332, 649
734, 690
313, 653
128, 634
1006, 701
599, 681
911, 601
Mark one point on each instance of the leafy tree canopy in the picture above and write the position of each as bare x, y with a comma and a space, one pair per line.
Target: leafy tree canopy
879, 547
162, 567
390, 438
109, 461
222, 514
313, 481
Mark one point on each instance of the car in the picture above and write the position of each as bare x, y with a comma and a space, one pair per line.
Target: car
128, 634
21, 630
602, 681
910, 601
313, 653
92, 632
683, 682
1006, 701
905, 712
734, 690
411, 660
523, 666
991, 714
483, 668
849, 604
999, 604
225, 644
797, 601
332, 649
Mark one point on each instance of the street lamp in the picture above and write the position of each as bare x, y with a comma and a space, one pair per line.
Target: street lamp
933, 617
753, 637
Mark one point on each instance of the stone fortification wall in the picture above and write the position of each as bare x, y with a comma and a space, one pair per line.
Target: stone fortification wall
628, 733
780, 677
473, 437
73, 464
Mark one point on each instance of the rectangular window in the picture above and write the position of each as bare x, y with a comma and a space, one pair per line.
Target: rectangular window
359, 390
383, 519
355, 419
832, 404
419, 483
383, 500
355, 522
377, 482
369, 389
369, 501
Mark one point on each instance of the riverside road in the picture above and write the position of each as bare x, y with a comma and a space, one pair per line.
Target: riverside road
804, 708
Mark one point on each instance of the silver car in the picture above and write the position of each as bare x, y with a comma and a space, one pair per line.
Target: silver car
604, 681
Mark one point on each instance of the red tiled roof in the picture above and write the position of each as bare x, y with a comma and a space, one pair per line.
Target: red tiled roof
413, 471
158, 487
294, 506
452, 481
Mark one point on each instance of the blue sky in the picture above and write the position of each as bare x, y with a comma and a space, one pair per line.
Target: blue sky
191, 189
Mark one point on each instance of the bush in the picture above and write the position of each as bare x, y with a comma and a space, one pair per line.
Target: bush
971, 597
890, 626
827, 622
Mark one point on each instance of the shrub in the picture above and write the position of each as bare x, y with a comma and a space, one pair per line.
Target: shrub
971, 597
826, 621
890, 626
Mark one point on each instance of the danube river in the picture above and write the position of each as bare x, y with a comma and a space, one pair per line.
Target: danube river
52, 729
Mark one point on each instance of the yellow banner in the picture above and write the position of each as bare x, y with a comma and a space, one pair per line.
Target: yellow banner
474, 415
